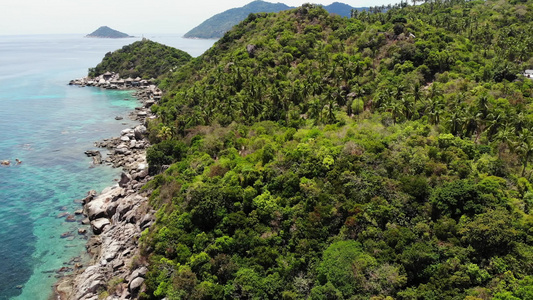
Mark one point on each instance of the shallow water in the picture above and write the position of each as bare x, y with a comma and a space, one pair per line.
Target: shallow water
48, 125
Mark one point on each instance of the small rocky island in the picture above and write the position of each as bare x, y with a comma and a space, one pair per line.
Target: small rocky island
108, 33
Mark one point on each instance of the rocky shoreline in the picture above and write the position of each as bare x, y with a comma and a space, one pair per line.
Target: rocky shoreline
117, 216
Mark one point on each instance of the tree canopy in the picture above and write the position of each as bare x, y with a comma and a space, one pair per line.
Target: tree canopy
309, 156
145, 59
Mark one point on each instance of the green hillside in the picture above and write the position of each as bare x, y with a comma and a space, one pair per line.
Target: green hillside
106, 32
146, 59
386, 156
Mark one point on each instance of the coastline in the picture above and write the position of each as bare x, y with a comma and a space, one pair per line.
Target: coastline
117, 216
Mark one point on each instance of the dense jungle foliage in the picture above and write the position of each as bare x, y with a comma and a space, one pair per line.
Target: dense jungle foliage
145, 59
384, 156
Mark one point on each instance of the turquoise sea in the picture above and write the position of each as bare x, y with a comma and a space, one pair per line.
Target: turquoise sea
48, 125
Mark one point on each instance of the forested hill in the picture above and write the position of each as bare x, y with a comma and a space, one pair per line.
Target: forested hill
146, 59
309, 156
216, 26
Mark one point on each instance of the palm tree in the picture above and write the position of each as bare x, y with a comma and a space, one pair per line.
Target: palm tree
417, 93
330, 106
455, 122
395, 108
434, 109
407, 107
520, 121
470, 123
525, 147
506, 135
434, 104
493, 124
165, 133
315, 110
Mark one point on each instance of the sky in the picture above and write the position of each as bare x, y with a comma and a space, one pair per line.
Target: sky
134, 17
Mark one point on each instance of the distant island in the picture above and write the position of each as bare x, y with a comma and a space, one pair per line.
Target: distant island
108, 33
216, 26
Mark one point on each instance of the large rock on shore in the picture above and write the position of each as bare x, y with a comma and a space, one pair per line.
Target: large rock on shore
140, 272
101, 206
90, 196
136, 284
99, 224
90, 282
124, 179
96, 155
139, 132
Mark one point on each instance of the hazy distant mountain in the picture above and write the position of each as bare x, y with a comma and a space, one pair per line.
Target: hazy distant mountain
341, 9
106, 32
217, 25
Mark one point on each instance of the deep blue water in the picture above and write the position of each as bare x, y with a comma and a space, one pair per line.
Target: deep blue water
48, 125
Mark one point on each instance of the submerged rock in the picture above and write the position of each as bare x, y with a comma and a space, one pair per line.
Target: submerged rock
71, 218
91, 153
62, 215
66, 235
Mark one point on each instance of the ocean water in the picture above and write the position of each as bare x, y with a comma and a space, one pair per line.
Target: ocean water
48, 125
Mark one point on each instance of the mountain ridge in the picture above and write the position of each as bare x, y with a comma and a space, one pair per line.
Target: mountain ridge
215, 26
